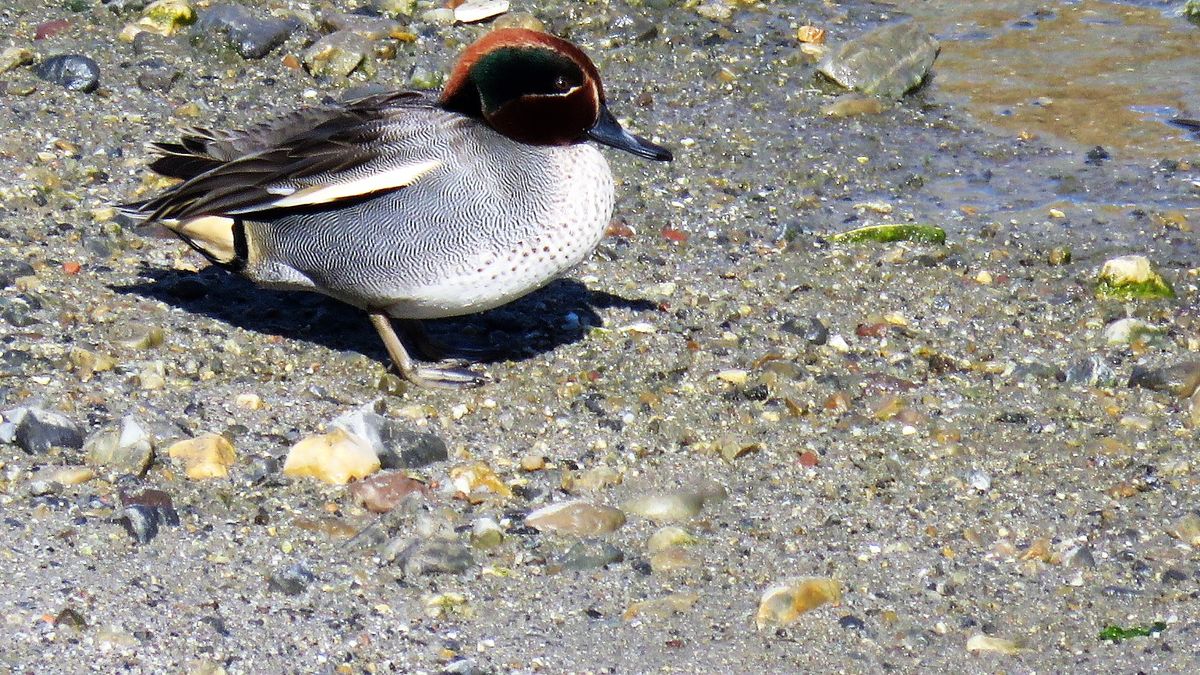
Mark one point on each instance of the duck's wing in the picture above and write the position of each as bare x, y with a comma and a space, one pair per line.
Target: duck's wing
304, 159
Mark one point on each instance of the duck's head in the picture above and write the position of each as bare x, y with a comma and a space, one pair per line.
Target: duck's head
538, 89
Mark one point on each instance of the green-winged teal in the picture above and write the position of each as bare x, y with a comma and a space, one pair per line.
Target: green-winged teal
410, 206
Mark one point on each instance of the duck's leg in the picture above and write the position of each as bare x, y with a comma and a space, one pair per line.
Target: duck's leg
422, 376
437, 350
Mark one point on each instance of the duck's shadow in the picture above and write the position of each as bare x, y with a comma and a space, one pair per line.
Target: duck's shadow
556, 315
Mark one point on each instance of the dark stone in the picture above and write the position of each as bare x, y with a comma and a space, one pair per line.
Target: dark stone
1035, 370
144, 512
157, 75
1180, 379
1096, 155
404, 449
590, 554
292, 580
14, 363
39, 430
1012, 418
16, 312
851, 622
251, 35
423, 557
11, 269
72, 71
813, 330
141, 522
70, 618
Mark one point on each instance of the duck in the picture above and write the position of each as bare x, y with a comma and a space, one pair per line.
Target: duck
411, 205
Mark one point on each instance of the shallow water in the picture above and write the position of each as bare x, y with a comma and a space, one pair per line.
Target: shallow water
1089, 72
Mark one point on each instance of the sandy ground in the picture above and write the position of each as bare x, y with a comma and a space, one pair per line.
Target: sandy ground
930, 454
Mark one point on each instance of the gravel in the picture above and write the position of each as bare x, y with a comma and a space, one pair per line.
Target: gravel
938, 436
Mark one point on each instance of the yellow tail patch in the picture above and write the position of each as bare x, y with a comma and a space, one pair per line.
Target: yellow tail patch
212, 235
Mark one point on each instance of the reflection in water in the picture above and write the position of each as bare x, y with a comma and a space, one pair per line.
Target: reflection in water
1096, 73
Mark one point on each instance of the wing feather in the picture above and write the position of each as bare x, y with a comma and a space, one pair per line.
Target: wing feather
303, 159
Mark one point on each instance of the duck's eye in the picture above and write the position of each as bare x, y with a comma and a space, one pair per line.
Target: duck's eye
562, 84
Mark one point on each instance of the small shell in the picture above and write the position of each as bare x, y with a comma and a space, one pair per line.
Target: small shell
784, 602
984, 643
473, 11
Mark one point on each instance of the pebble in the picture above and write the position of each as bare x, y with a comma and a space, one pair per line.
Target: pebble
124, 448
397, 8
851, 105
12, 58
373, 28
138, 335
436, 556
576, 517
527, 20
385, 491
593, 480
1130, 330
980, 480
587, 554
667, 507
1093, 371
75, 72
208, 456
673, 559
396, 446
470, 480
167, 17
661, 608
17, 312
851, 622
486, 533
252, 36
36, 430
292, 580
1131, 277
336, 54
1186, 528
784, 602
12, 269
670, 536
157, 75
1181, 379
51, 28
887, 62
533, 462
336, 457
447, 604
142, 514
986, 643
87, 363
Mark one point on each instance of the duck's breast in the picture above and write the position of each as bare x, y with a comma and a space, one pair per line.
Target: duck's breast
493, 221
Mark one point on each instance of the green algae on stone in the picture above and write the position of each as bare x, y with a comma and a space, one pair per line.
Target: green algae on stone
1116, 633
1131, 277
167, 17
929, 234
